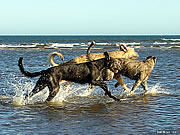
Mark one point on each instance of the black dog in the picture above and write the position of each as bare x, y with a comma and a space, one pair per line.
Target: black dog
88, 72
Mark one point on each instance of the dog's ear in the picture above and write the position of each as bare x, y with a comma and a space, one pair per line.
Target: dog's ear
149, 57
154, 58
106, 56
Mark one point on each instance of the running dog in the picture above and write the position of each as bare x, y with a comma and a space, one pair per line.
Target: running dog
108, 74
136, 70
88, 72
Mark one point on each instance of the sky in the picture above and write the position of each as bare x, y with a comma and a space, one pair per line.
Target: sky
61, 17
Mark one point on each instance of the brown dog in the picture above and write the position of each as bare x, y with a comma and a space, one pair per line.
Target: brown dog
109, 75
136, 70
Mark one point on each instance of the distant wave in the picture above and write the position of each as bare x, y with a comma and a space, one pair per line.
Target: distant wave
57, 45
154, 44
166, 39
175, 43
38, 45
160, 43
132, 43
17, 46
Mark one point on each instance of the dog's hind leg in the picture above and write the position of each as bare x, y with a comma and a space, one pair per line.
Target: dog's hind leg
40, 85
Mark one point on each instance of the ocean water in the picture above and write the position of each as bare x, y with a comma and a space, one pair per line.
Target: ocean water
75, 110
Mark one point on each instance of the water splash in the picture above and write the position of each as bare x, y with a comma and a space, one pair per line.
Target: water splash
20, 87
70, 91
139, 95
23, 86
86, 92
157, 89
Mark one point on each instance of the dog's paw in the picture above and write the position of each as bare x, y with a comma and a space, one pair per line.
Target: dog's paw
116, 99
127, 91
124, 95
131, 93
117, 84
107, 93
146, 93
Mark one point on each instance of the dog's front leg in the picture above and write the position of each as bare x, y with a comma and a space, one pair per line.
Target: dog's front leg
121, 82
105, 88
145, 85
136, 85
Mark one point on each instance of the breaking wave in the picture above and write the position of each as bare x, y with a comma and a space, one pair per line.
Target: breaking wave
167, 39
155, 44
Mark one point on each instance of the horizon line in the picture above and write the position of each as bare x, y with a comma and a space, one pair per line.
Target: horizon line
80, 34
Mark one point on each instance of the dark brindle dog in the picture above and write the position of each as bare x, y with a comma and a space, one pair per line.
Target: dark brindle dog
82, 73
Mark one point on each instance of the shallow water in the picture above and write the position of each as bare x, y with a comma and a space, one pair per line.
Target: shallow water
78, 111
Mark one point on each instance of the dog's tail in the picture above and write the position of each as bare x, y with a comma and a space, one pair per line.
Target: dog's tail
26, 73
123, 48
89, 50
51, 58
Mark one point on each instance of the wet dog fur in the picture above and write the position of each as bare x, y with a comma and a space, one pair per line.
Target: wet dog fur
82, 73
136, 70
107, 74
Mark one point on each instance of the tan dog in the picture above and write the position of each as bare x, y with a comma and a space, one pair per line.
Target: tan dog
136, 70
109, 75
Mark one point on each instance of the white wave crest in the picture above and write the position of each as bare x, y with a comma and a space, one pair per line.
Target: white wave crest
17, 46
174, 43
160, 43
132, 43
58, 45
38, 45
166, 39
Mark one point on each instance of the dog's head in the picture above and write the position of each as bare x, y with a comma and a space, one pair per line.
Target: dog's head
151, 59
111, 63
